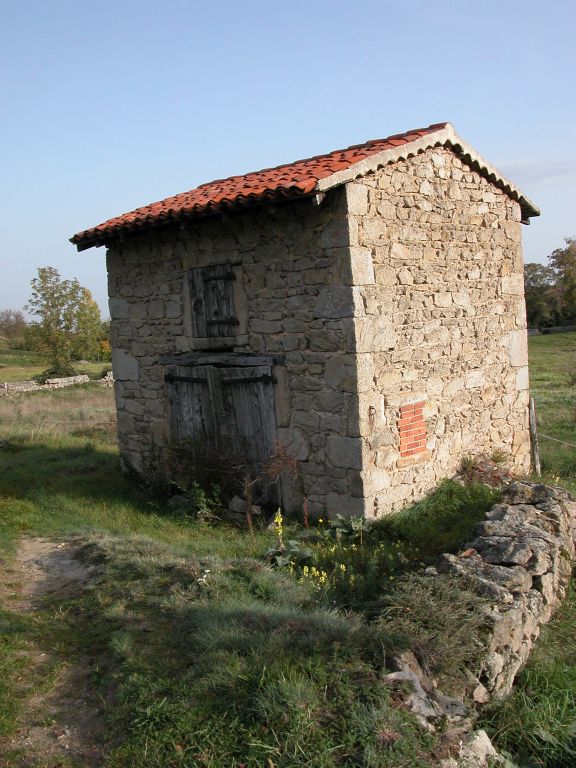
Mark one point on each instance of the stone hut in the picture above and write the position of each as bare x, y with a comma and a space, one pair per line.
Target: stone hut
364, 309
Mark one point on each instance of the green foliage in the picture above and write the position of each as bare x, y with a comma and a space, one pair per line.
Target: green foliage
354, 563
61, 370
204, 505
68, 323
563, 262
349, 529
443, 521
294, 554
551, 290
12, 324
357, 577
536, 725
542, 296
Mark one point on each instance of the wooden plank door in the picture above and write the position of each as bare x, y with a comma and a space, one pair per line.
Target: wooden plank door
248, 403
190, 404
229, 410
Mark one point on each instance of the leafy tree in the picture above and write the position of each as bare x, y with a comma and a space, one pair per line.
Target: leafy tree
105, 351
88, 328
68, 318
12, 323
563, 262
551, 290
542, 299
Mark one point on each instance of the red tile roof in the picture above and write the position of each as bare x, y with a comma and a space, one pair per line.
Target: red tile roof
285, 181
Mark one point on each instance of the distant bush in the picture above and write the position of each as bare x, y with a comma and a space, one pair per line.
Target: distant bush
17, 343
56, 372
97, 375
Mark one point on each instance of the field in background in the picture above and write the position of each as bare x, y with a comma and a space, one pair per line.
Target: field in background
21, 365
553, 386
59, 473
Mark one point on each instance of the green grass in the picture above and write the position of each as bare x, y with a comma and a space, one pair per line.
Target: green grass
205, 655
553, 386
13, 633
21, 365
60, 474
442, 521
219, 662
358, 572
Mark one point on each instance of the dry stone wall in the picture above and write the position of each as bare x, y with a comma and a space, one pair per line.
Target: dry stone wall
21, 387
521, 561
521, 558
443, 322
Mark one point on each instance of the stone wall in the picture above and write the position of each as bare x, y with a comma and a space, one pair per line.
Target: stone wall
294, 296
403, 287
520, 561
22, 387
443, 323
521, 558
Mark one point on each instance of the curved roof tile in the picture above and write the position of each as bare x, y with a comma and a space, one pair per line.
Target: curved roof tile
291, 180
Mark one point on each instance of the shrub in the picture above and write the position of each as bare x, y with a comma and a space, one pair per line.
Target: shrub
204, 505
355, 576
60, 371
356, 561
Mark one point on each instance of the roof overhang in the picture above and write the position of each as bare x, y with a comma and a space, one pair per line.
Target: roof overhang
445, 137
438, 135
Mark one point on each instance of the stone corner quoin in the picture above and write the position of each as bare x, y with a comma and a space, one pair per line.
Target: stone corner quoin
402, 288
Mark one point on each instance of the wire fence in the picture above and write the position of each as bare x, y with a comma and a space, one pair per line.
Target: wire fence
556, 440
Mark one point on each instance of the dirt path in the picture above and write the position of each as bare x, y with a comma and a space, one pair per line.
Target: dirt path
61, 721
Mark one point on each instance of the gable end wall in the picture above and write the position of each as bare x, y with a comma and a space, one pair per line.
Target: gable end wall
444, 323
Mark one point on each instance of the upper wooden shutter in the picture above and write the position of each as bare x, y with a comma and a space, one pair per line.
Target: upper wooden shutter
212, 301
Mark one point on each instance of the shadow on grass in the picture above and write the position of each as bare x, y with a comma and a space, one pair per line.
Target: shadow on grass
233, 659
90, 472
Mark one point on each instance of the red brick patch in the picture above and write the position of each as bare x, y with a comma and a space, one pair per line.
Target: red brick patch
412, 429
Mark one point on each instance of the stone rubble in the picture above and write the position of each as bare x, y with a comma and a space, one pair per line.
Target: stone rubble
521, 560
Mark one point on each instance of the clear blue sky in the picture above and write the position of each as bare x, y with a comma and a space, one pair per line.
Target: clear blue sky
110, 105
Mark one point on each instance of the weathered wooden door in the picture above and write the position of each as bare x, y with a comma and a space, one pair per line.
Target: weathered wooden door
225, 411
